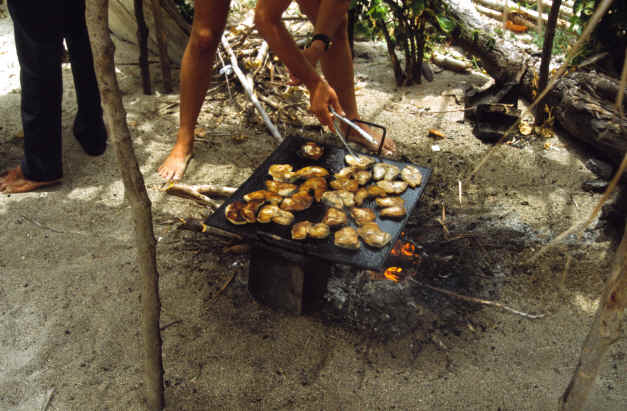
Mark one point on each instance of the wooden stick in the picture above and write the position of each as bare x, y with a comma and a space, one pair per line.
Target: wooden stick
142, 39
199, 192
478, 300
163, 47
198, 226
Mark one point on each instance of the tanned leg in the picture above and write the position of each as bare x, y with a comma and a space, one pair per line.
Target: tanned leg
13, 181
196, 70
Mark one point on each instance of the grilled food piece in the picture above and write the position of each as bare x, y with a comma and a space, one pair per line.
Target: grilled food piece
316, 184
363, 215
332, 199
298, 202
311, 150
249, 211
412, 176
283, 217
334, 217
282, 173
346, 172
376, 191
347, 238
372, 235
348, 198
319, 231
390, 202
362, 177
280, 188
233, 213
267, 213
312, 171
360, 196
300, 230
385, 171
360, 162
396, 212
263, 195
345, 183
392, 187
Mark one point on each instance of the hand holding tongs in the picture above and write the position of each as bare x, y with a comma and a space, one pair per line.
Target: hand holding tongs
355, 127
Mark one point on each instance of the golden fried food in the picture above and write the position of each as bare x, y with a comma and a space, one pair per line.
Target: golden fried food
392, 187
282, 173
372, 235
263, 195
362, 216
361, 162
345, 183
360, 196
362, 177
332, 199
319, 231
347, 237
312, 171
283, 217
376, 191
334, 217
280, 188
396, 212
348, 198
412, 176
297, 202
390, 202
233, 213
346, 172
311, 150
316, 184
385, 171
267, 213
249, 211
300, 230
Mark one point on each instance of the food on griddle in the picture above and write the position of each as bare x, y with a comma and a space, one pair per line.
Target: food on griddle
233, 213
297, 202
334, 217
282, 189
267, 213
283, 217
392, 187
363, 215
346, 172
347, 237
372, 235
362, 177
249, 211
263, 195
393, 212
332, 199
316, 184
360, 196
300, 230
311, 150
376, 191
312, 171
348, 198
345, 183
282, 173
360, 162
412, 176
385, 171
319, 231
390, 202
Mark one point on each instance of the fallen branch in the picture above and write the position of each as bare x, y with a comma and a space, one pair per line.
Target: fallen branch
478, 300
199, 192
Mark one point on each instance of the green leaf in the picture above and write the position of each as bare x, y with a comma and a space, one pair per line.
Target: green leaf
446, 24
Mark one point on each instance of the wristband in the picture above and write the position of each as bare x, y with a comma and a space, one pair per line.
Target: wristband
323, 38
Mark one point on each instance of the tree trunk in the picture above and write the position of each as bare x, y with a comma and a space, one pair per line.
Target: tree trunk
135, 192
582, 103
163, 46
547, 52
142, 40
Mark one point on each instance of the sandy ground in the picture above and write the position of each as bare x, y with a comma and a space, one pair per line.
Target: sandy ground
69, 288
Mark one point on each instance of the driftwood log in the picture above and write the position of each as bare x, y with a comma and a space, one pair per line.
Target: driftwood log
582, 103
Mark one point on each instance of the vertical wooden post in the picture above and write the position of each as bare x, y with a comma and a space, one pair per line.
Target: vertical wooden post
163, 47
142, 40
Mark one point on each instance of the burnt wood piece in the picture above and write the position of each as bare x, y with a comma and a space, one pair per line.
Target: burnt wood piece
493, 120
287, 281
280, 236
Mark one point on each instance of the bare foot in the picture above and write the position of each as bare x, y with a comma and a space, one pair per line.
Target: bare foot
389, 147
175, 165
13, 181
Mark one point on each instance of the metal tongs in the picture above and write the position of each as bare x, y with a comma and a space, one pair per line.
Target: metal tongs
355, 127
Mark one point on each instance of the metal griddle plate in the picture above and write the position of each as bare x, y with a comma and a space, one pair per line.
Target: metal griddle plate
280, 236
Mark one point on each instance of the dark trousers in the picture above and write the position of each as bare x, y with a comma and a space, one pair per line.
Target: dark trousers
40, 27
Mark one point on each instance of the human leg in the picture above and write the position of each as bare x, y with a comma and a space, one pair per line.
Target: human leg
89, 128
196, 69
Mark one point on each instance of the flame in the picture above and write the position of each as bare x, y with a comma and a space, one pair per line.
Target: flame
392, 273
408, 249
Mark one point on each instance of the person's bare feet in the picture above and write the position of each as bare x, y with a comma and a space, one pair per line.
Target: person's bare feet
14, 181
173, 168
389, 147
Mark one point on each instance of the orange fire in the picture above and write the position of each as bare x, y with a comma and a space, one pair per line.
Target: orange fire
392, 273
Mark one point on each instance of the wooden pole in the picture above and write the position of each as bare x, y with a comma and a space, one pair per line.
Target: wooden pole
163, 47
135, 192
142, 40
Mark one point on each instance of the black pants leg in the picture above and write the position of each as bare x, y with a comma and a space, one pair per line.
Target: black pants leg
38, 29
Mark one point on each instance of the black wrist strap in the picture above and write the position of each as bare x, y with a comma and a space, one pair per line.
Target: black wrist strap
323, 38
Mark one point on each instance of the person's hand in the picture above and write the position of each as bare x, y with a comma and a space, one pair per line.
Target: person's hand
313, 55
321, 97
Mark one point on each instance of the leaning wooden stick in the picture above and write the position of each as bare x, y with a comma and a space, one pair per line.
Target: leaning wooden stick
199, 193
247, 83
478, 300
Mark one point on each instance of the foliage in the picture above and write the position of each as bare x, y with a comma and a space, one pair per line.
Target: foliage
186, 8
